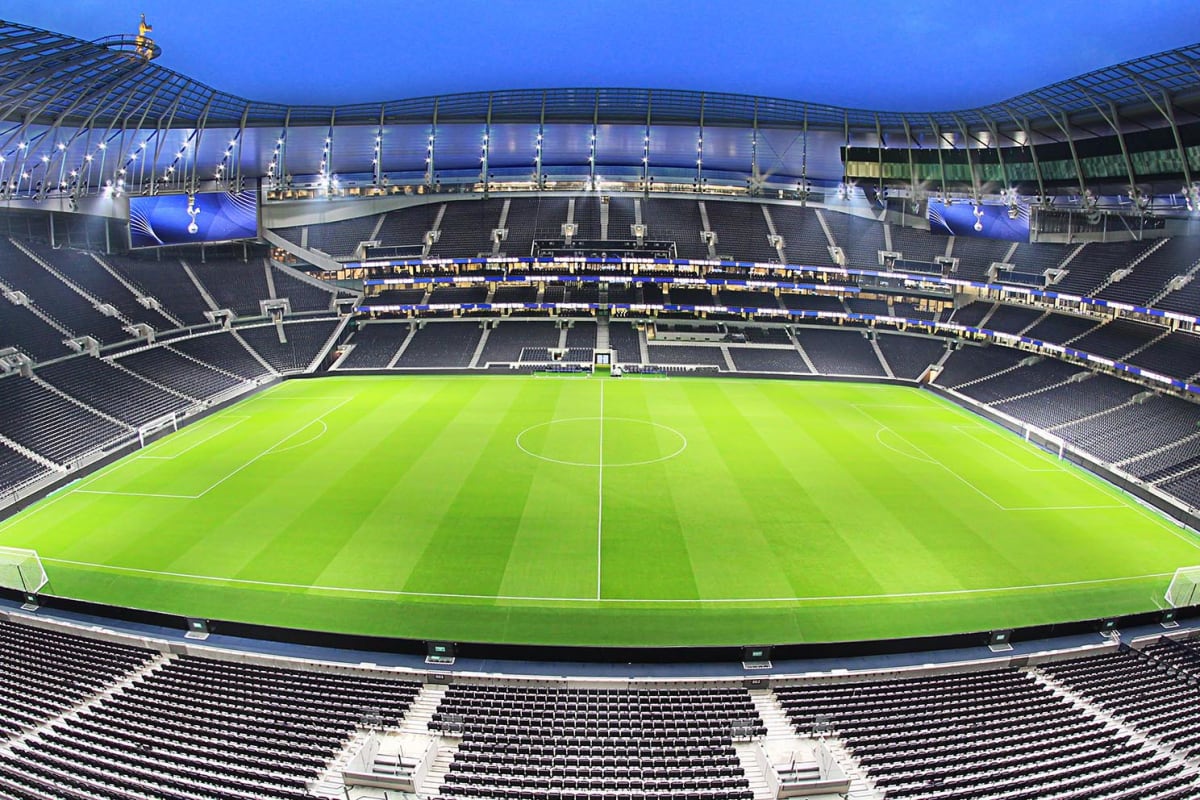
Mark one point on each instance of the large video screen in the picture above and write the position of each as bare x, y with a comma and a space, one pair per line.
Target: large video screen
985, 221
171, 219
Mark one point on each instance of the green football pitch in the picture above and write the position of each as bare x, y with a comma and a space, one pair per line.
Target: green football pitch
575, 510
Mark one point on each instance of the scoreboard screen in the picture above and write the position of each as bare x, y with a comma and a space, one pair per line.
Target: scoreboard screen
203, 217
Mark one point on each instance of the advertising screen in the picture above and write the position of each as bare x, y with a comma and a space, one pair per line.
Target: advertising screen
985, 221
172, 219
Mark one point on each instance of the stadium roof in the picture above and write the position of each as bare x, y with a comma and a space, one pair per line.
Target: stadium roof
51, 78
64, 100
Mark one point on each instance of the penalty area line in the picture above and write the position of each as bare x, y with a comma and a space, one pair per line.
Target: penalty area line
646, 600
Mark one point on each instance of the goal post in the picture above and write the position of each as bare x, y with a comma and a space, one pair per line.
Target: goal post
155, 426
1184, 589
1045, 440
21, 570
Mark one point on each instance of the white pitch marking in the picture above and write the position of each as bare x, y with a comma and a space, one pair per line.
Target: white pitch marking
269, 451
647, 600
969, 430
610, 465
931, 459
238, 421
600, 497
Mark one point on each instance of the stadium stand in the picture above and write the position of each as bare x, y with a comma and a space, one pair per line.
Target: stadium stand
375, 345
910, 356
23, 328
292, 346
466, 229
167, 282
76, 313
754, 359
507, 339
1166, 259
741, 229
234, 284
335, 239
301, 295
839, 352
113, 390
441, 345
184, 374
46, 673
83, 269
676, 221
643, 742
50, 424
982, 734
408, 227
1096, 263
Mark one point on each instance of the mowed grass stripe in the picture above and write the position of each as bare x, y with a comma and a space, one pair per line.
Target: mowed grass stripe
787, 497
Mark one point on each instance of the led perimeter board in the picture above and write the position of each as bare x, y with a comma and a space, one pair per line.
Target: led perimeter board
174, 219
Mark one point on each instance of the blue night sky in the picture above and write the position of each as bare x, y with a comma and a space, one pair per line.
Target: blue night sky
912, 55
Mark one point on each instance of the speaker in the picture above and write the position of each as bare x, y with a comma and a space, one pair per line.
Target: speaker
197, 629
756, 657
1000, 641
441, 653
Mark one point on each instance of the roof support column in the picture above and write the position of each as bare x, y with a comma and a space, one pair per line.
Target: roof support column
430, 175
539, 177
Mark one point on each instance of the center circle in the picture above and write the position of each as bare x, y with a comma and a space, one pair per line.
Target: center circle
601, 442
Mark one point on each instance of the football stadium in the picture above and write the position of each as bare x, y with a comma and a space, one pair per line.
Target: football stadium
594, 443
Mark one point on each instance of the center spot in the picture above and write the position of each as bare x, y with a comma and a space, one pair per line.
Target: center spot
589, 442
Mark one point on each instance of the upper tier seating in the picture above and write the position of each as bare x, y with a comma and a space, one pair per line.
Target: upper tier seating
804, 239
741, 231
466, 230
20, 327
676, 221
335, 239
301, 295
83, 269
1095, 263
1173, 257
233, 284
167, 282
55, 298
408, 226
975, 256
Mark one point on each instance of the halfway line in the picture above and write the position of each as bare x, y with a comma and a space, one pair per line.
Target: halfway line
600, 497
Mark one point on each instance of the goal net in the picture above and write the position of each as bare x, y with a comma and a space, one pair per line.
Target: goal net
21, 570
154, 426
1185, 587
1046, 440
